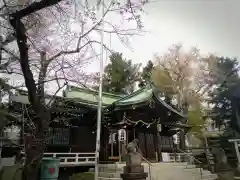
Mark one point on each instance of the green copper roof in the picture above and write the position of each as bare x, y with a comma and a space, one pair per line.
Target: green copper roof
90, 96
143, 95
139, 96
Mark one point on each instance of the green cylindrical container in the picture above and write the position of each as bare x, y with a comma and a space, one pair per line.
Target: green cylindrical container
50, 169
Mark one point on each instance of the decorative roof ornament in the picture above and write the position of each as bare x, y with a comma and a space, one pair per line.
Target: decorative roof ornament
151, 103
69, 88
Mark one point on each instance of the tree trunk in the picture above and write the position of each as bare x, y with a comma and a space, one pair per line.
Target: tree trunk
35, 142
35, 145
33, 157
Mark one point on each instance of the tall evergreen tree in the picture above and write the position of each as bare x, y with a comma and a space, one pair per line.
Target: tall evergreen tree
226, 78
145, 77
120, 75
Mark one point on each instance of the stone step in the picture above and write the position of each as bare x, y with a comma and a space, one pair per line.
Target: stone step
187, 174
109, 175
209, 179
106, 178
109, 170
198, 170
204, 174
194, 170
108, 165
164, 171
210, 176
196, 177
190, 166
208, 173
172, 163
215, 178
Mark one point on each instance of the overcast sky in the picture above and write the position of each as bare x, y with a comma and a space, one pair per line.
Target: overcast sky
211, 25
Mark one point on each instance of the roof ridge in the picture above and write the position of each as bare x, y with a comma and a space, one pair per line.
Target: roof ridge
133, 94
93, 91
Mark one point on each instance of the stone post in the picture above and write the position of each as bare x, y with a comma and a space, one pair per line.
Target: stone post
237, 170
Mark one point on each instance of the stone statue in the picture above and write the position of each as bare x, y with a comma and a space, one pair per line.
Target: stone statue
133, 169
132, 146
133, 157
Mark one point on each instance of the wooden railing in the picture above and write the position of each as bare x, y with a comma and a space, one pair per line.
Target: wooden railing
149, 167
73, 159
177, 157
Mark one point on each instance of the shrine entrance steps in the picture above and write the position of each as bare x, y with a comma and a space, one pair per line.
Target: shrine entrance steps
159, 171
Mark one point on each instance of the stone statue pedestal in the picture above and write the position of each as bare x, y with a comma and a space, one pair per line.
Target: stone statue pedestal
131, 172
237, 173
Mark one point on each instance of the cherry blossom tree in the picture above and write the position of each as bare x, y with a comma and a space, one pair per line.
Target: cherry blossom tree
51, 41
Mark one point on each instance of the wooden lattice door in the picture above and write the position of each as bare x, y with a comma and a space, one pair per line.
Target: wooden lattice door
151, 149
166, 143
147, 145
142, 144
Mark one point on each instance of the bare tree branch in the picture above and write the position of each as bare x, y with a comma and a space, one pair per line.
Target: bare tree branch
53, 97
34, 7
76, 50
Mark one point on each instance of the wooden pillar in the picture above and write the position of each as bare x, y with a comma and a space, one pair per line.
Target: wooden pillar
155, 145
174, 149
159, 145
182, 140
134, 133
103, 150
111, 136
145, 145
119, 151
106, 144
